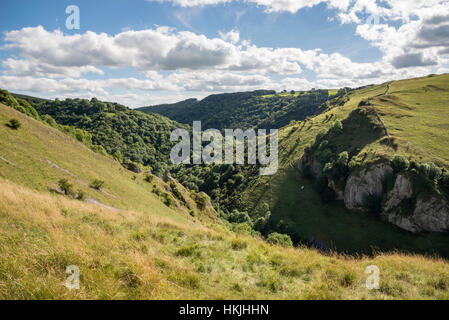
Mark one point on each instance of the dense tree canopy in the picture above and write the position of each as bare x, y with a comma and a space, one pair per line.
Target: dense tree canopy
258, 109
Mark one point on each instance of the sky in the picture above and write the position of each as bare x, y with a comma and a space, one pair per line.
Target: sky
147, 52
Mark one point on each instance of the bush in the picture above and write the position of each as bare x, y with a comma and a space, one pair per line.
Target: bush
431, 171
14, 124
280, 239
168, 201
242, 228
66, 187
201, 200
444, 181
188, 251
149, 178
176, 192
239, 217
399, 163
239, 244
337, 128
97, 184
434, 173
157, 191
80, 195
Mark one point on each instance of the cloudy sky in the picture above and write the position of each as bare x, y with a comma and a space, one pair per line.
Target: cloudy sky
145, 52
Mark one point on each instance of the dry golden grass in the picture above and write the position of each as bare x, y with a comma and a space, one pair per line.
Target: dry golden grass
131, 255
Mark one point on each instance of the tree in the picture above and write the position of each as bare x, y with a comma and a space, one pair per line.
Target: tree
149, 178
118, 156
66, 187
97, 184
337, 128
445, 179
434, 172
239, 217
400, 163
14, 124
80, 195
280, 239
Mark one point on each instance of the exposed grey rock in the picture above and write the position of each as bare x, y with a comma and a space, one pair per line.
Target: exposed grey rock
430, 214
402, 190
365, 182
401, 206
134, 167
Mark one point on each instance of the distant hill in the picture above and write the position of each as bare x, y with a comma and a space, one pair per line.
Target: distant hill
170, 109
258, 109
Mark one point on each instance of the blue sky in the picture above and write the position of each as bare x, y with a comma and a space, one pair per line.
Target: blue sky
143, 52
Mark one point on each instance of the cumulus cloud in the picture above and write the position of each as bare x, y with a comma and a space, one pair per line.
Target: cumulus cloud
180, 62
412, 60
349, 10
152, 49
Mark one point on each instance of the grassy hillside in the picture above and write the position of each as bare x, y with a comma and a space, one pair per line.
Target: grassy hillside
415, 114
124, 133
130, 244
259, 109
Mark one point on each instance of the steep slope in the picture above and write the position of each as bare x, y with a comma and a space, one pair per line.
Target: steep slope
129, 244
406, 118
258, 109
122, 132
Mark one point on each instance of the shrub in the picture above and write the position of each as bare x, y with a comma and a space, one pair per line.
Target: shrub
413, 165
280, 239
118, 156
176, 192
157, 191
66, 187
399, 163
242, 228
444, 181
187, 251
239, 244
130, 278
80, 195
239, 217
434, 172
239, 178
337, 128
149, 178
14, 124
364, 103
168, 201
338, 169
97, 184
201, 200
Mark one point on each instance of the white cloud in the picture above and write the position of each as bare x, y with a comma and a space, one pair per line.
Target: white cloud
182, 62
232, 36
55, 53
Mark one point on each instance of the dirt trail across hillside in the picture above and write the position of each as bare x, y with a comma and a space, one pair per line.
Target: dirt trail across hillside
7, 161
98, 203
56, 166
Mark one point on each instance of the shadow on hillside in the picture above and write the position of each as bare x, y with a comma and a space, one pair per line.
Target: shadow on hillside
298, 210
